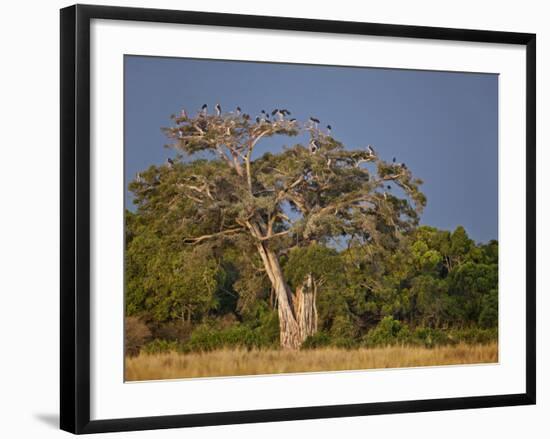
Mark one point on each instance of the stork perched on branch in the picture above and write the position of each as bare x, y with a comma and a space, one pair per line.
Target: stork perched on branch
314, 146
315, 122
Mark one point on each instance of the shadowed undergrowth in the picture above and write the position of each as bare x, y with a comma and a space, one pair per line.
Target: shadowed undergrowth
234, 362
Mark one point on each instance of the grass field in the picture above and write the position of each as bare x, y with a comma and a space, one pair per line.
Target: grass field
243, 362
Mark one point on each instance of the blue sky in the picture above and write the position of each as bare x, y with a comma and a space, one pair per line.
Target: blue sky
443, 125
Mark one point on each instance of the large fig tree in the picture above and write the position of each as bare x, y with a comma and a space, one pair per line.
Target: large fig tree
220, 192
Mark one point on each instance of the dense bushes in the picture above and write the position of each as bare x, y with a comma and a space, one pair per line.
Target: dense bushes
435, 288
158, 346
205, 339
388, 332
319, 340
261, 331
136, 334
391, 332
474, 335
239, 336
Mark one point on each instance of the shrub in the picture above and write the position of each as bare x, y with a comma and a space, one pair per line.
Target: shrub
474, 335
343, 328
325, 339
429, 337
136, 334
391, 332
159, 346
345, 343
206, 338
178, 330
319, 340
388, 332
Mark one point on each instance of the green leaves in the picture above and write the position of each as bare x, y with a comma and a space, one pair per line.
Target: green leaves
165, 282
323, 263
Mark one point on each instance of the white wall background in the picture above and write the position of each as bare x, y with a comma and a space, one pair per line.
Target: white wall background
29, 206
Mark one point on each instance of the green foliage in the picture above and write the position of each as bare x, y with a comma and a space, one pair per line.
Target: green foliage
488, 317
260, 330
429, 337
393, 332
474, 335
205, 338
366, 297
159, 346
469, 284
166, 282
319, 340
322, 262
432, 300
388, 332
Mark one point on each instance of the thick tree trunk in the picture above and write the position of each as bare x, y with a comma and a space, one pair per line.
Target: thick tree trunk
297, 313
306, 309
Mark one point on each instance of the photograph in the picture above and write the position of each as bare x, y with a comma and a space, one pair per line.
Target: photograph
298, 218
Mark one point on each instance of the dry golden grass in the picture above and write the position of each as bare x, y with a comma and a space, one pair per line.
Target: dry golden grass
242, 362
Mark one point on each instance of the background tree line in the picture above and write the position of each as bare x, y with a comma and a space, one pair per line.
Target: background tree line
436, 287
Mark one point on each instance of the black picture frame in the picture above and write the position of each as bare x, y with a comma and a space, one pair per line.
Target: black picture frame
75, 218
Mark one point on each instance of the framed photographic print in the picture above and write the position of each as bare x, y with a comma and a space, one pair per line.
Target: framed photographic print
340, 214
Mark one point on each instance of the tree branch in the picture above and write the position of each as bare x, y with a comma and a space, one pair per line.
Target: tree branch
248, 156
273, 235
213, 235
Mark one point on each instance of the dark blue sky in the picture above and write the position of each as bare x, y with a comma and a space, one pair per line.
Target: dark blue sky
443, 125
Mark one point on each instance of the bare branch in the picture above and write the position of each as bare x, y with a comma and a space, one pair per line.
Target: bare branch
213, 235
222, 154
197, 200
273, 235
248, 156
